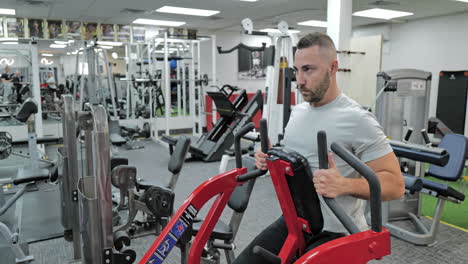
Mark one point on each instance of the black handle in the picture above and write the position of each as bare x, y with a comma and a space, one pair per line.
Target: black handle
30, 179
266, 255
408, 134
332, 204
374, 185
425, 137
264, 147
249, 48
237, 145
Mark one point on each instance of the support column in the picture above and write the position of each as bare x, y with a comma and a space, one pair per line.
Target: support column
339, 14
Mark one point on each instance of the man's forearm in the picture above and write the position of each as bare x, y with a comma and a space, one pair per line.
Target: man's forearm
359, 188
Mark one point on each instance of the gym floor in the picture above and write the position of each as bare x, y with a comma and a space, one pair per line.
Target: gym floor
263, 209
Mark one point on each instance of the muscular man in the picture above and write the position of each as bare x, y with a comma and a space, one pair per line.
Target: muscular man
344, 121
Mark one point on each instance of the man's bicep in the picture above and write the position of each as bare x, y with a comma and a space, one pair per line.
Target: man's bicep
386, 163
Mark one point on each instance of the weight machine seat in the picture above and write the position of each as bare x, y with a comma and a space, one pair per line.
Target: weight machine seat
221, 231
28, 108
441, 189
412, 183
178, 155
175, 165
114, 133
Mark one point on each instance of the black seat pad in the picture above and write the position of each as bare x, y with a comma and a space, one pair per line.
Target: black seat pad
221, 231
28, 108
443, 189
145, 184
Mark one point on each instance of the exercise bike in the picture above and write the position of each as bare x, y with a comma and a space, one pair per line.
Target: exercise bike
292, 179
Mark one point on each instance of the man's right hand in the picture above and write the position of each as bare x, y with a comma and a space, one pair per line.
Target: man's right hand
260, 160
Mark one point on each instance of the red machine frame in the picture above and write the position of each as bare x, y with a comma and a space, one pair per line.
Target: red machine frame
356, 249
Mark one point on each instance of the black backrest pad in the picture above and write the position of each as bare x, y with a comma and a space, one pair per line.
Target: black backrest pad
223, 106
301, 187
178, 156
28, 108
241, 195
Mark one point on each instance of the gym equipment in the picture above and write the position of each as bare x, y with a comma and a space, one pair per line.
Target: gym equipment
226, 232
402, 106
212, 145
100, 243
447, 163
13, 236
150, 196
451, 99
301, 210
279, 77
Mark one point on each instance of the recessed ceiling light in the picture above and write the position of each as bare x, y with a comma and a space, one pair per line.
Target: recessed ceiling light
249, 0
154, 22
187, 11
47, 55
275, 30
381, 13
57, 46
10, 42
313, 23
6, 11
109, 43
466, 1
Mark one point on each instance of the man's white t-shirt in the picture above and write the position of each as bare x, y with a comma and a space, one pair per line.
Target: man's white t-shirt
344, 121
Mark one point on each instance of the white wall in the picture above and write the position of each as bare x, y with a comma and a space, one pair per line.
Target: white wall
434, 45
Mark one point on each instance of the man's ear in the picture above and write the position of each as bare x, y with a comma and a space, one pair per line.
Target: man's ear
334, 66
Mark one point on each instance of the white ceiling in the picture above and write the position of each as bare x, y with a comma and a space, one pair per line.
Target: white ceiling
264, 13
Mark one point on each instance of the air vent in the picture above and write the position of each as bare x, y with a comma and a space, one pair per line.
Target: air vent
384, 3
132, 11
36, 3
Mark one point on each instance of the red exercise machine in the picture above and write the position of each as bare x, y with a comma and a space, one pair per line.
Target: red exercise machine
292, 179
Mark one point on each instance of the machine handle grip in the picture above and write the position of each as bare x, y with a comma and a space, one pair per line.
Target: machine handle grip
237, 146
408, 134
30, 179
266, 255
264, 146
332, 204
425, 137
369, 175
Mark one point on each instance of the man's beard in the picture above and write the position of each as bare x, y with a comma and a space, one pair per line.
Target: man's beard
317, 94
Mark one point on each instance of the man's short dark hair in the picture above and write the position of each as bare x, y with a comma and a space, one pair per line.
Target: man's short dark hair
316, 39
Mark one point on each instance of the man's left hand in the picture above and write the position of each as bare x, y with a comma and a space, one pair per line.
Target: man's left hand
329, 182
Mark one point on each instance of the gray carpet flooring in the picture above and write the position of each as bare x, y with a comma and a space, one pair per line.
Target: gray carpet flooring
151, 162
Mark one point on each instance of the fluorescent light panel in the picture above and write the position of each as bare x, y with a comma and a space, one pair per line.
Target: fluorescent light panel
7, 11
8, 39
381, 13
274, 30
187, 11
465, 1
47, 55
154, 22
249, 0
10, 42
109, 43
57, 46
313, 23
